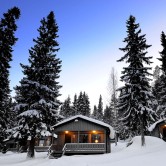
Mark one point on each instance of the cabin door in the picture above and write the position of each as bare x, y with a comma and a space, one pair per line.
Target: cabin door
67, 138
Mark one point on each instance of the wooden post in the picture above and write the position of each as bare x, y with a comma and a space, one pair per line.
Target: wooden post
78, 137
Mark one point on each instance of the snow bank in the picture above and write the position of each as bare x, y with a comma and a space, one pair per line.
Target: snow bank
153, 154
151, 144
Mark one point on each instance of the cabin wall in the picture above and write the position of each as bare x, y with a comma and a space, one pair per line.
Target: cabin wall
61, 138
79, 125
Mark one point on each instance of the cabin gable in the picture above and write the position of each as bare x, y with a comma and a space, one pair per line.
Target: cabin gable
79, 124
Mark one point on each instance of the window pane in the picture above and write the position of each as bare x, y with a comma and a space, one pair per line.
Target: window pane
83, 138
96, 138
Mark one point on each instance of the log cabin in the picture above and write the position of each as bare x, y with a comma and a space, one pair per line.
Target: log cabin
81, 135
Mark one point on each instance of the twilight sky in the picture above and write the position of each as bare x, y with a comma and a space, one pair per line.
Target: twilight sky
90, 35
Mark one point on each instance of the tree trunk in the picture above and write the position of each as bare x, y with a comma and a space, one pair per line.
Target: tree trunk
31, 148
116, 139
142, 132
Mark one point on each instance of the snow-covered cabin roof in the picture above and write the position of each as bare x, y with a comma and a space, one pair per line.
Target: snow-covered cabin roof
151, 128
88, 119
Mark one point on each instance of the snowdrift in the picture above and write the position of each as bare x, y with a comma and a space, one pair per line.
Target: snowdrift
152, 154
151, 143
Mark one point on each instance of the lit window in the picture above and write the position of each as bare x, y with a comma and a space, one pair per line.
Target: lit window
96, 138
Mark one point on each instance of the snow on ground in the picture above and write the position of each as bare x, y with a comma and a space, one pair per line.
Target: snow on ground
153, 154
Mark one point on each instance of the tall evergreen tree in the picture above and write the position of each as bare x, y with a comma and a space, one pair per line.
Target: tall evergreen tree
100, 109
87, 105
37, 95
122, 106
80, 104
114, 122
161, 88
94, 113
12, 115
156, 73
66, 108
163, 53
7, 40
138, 98
83, 104
156, 88
75, 105
107, 117
114, 114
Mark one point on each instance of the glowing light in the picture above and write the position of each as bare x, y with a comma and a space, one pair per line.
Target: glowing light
96, 141
94, 131
76, 120
66, 132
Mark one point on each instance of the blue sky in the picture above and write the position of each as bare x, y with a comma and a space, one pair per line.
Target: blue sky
90, 35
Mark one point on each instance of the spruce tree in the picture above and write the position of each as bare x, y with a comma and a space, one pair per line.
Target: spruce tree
107, 117
94, 113
161, 89
100, 109
114, 111
156, 73
156, 88
7, 40
114, 119
37, 95
138, 97
83, 104
75, 105
114, 116
80, 104
66, 108
122, 105
87, 105
163, 53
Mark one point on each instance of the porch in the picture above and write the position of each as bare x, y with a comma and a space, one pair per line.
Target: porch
81, 137
83, 148
56, 151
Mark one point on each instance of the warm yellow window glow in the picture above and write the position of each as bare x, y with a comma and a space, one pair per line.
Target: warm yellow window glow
66, 132
94, 131
96, 141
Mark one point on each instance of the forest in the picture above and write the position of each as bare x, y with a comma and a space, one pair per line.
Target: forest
36, 107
